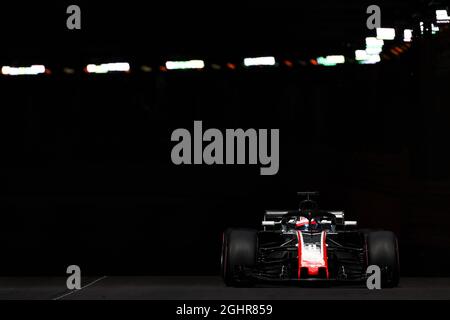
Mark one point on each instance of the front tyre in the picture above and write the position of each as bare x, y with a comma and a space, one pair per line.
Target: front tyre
239, 249
382, 250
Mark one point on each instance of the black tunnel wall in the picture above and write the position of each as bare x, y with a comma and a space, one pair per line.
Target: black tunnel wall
87, 177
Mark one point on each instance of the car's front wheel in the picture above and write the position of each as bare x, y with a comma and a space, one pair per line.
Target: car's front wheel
239, 250
382, 251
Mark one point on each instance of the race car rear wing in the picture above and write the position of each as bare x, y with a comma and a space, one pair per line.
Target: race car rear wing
308, 194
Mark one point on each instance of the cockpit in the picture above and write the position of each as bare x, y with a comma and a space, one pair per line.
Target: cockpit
310, 221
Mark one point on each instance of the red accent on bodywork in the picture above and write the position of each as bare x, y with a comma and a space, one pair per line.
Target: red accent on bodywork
313, 266
325, 252
299, 253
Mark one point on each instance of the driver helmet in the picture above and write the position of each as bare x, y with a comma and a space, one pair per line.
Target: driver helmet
303, 223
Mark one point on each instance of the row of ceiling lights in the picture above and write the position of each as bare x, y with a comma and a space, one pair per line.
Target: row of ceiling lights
372, 54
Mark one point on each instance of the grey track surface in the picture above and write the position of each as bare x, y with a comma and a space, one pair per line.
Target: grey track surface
193, 288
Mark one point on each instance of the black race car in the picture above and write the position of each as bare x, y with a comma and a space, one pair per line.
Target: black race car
308, 244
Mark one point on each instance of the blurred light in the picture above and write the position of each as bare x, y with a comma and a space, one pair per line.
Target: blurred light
374, 50
442, 16
371, 59
146, 68
182, 65
434, 29
313, 62
330, 61
407, 35
372, 42
260, 61
231, 66
421, 27
215, 66
394, 52
68, 70
288, 63
108, 67
385, 33
16, 71
361, 55
336, 59
324, 62
92, 68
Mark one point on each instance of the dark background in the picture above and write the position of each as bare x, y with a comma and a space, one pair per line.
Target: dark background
85, 169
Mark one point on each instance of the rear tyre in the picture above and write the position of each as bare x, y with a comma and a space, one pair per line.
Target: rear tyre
382, 250
239, 249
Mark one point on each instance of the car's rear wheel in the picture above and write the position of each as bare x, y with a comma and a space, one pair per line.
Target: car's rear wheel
382, 251
239, 249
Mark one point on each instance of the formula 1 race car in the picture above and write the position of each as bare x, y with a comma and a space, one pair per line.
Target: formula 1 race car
307, 244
